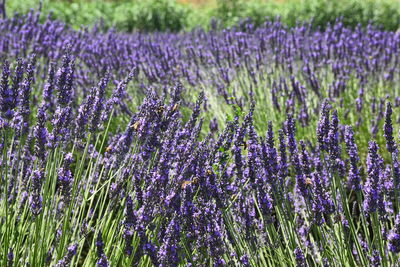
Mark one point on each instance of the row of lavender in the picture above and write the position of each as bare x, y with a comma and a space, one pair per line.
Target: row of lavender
90, 176
287, 69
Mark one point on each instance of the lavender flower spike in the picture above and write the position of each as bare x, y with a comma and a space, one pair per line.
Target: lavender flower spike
7, 102
65, 178
388, 129
323, 125
41, 134
35, 199
373, 188
169, 251
102, 258
354, 176
394, 236
66, 260
300, 259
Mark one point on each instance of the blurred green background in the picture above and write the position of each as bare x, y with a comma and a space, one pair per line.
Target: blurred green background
177, 15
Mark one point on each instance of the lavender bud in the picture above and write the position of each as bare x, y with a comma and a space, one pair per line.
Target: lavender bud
354, 177
373, 187
66, 260
388, 129
394, 236
35, 199
300, 259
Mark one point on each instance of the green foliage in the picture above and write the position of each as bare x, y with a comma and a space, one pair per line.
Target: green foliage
153, 15
149, 16
385, 13
169, 15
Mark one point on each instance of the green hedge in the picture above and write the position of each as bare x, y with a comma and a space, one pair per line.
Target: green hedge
385, 13
168, 15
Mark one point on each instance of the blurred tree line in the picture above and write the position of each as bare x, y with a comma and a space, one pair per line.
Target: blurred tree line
171, 15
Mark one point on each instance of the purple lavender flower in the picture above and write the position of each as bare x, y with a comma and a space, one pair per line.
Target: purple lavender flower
17, 124
396, 170
61, 127
196, 111
375, 259
244, 260
300, 259
388, 129
210, 232
65, 76
10, 258
125, 141
305, 159
65, 178
283, 164
214, 125
103, 261
66, 260
322, 204
17, 79
23, 112
98, 104
291, 133
333, 137
168, 254
84, 113
237, 151
373, 187
35, 198
129, 225
354, 176
270, 155
118, 95
41, 134
7, 97
49, 87
102, 258
394, 236
323, 125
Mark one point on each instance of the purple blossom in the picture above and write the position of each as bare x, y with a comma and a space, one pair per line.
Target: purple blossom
61, 127
98, 104
214, 125
300, 259
118, 95
101, 256
333, 137
323, 125
66, 260
84, 113
244, 260
64, 78
375, 259
35, 198
25, 94
168, 254
7, 95
291, 133
129, 225
388, 129
10, 258
65, 178
354, 175
322, 203
394, 236
373, 187
49, 87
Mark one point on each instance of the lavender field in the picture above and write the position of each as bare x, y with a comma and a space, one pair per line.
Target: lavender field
247, 146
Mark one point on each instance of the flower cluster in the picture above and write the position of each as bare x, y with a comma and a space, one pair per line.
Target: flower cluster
240, 147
